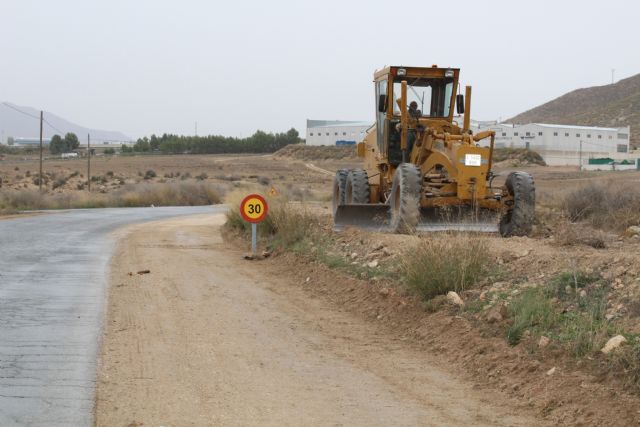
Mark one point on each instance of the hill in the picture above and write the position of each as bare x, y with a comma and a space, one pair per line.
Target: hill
613, 105
19, 125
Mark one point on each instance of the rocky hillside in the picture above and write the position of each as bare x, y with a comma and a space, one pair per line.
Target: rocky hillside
612, 105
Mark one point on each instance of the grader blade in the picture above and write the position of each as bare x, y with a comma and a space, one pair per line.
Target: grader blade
366, 216
378, 218
458, 219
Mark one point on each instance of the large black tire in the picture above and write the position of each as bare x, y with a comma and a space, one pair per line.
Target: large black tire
339, 189
518, 219
405, 198
357, 190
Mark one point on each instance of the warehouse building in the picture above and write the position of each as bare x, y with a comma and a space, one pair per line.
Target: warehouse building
30, 142
563, 144
335, 132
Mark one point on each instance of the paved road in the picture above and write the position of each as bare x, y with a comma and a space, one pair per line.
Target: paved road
53, 271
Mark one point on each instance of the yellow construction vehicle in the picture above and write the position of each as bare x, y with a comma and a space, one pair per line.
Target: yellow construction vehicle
422, 170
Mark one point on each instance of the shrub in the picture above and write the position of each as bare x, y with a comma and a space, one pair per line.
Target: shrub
149, 174
109, 151
202, 176
443, 263
59, 182
607, 205
264, 180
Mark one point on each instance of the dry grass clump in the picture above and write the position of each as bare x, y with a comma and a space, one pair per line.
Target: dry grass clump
447, 262
287, 225
607, 205
175, 194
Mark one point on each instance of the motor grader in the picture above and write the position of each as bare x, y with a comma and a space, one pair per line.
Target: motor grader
422, 170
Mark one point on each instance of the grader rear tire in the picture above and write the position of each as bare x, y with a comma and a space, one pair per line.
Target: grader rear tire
518, 220
405, 198
357, 189
339, 189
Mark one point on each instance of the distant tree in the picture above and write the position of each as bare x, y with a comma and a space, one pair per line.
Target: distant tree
10, 141
154, 143
109, 151
72, 141
57, 145
142, 145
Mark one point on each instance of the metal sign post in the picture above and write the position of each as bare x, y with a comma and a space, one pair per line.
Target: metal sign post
253, 209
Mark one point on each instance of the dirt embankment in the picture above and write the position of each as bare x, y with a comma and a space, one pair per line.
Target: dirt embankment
207, 338
310, 152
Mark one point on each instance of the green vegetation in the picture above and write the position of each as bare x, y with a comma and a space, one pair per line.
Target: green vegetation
259, 142
570, 310
450, 262
60, 145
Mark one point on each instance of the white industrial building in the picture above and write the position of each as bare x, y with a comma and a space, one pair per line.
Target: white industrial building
335, 132
563, 144
30, 142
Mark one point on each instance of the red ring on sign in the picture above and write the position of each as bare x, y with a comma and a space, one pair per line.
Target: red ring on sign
263, 214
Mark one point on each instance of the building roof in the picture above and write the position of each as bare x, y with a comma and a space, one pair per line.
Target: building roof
335, 123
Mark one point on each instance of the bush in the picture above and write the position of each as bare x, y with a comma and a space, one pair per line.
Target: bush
443, 263
59, 182
109, 151
202, 176
606, 205
150, 174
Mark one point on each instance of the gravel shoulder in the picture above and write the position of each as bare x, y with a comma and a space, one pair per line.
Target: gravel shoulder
207, 338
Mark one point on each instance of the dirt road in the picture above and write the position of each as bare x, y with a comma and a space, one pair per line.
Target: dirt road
207, 338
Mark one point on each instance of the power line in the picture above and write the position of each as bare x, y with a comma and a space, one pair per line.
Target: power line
20, 111
31, 115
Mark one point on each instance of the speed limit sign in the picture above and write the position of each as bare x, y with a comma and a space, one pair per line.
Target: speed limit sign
254, 208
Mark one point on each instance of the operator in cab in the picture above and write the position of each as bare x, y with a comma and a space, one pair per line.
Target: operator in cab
414, 113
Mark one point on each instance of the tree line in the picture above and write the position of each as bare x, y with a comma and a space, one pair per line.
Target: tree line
67, 144
259, 142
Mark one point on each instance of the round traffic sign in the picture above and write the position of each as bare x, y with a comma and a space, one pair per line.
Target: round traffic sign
254, 208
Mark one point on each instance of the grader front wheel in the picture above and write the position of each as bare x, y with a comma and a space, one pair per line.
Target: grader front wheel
339, 189
518, 219
405, 198
357, 190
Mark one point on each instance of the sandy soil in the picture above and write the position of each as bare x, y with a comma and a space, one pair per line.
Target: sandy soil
207, 338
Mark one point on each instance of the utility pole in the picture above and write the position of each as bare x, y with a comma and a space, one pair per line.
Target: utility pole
40, 175
89, 162
580, 161
196, 128
613, 73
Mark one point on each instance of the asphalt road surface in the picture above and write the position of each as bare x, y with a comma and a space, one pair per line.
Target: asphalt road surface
53, 273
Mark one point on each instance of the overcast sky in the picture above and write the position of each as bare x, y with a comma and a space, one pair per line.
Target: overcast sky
150, 66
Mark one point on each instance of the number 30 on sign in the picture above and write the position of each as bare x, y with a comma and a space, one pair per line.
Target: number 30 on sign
254, 208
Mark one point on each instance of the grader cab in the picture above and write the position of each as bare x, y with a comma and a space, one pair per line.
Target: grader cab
422, 171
